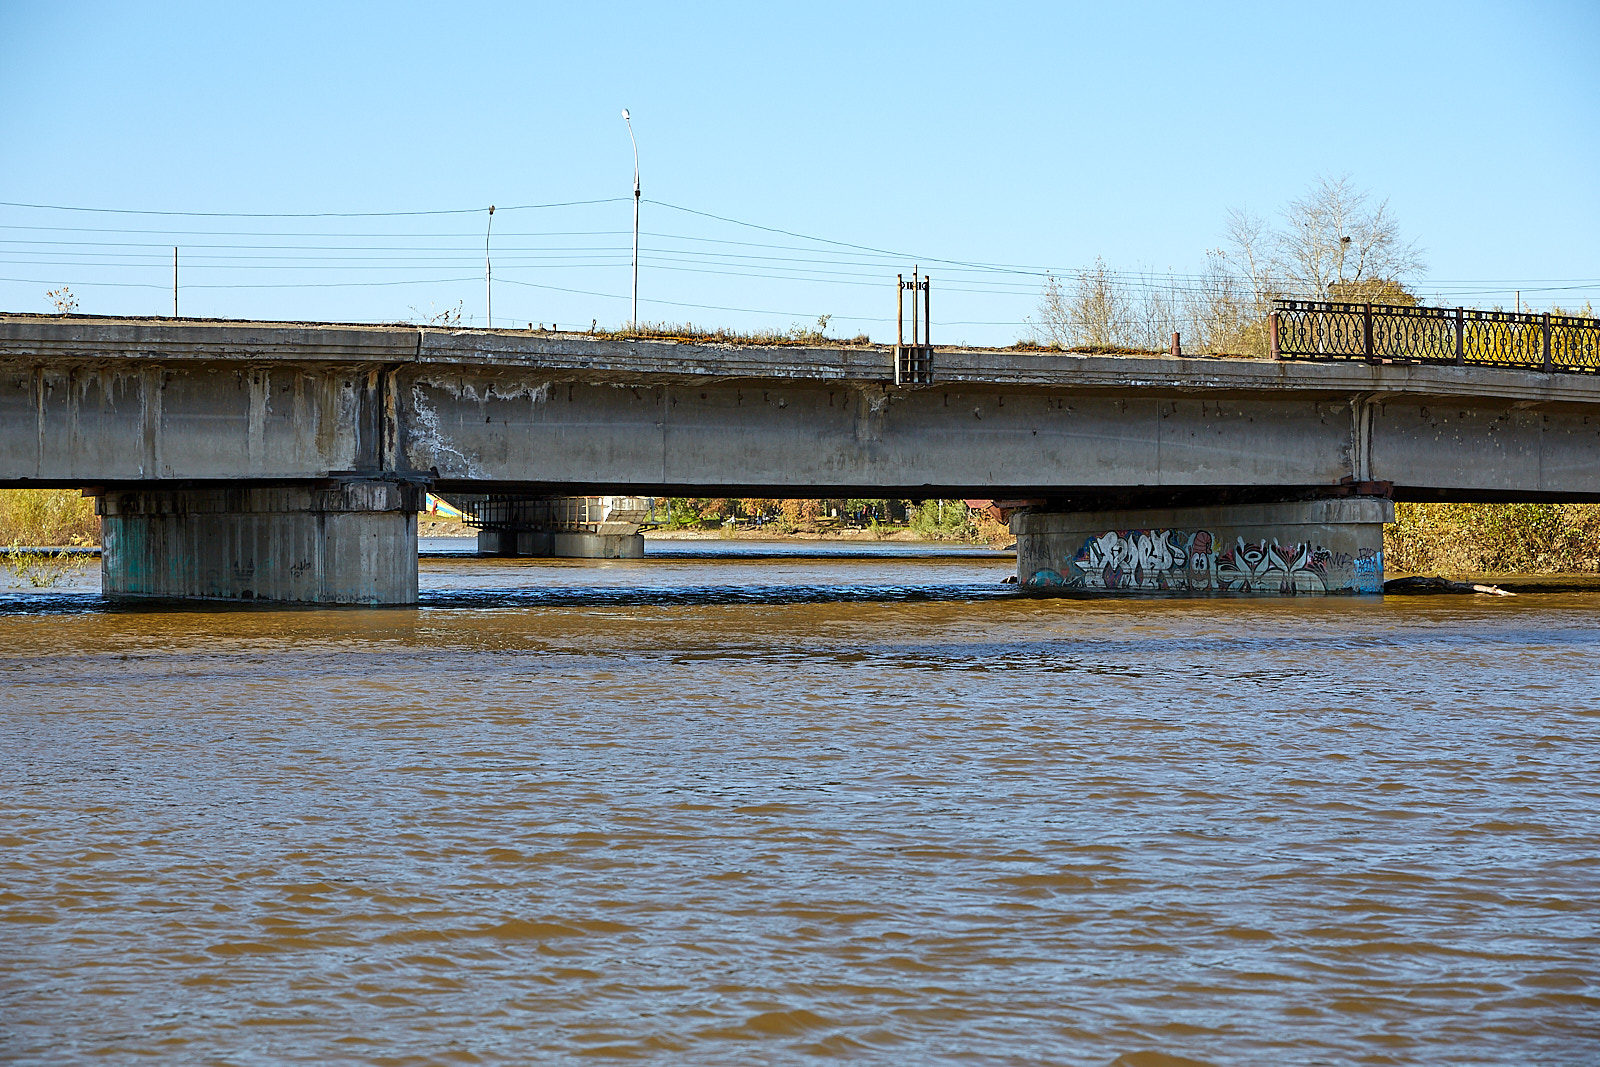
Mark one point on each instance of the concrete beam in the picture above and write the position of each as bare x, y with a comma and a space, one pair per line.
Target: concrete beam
476, 430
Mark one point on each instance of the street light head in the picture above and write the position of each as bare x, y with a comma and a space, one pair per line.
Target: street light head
625, 115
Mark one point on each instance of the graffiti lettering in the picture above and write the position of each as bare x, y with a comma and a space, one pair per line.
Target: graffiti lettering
1175, 560
1368, 566
1264, 567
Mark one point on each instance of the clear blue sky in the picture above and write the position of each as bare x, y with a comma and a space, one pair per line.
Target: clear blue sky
1030, 135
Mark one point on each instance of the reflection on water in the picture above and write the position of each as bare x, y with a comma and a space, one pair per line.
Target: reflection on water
734, 810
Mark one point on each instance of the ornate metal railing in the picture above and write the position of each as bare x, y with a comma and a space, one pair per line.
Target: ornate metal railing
1325, 329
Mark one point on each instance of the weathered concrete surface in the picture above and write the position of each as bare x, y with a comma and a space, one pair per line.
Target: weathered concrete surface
354, 543
123, 402
1317, 546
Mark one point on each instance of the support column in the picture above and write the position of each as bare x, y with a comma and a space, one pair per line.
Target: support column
1311, 546
350, 542
565, 527
582, 544
497, 541
562, 544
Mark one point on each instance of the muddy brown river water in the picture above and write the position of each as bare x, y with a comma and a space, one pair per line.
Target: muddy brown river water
731, 805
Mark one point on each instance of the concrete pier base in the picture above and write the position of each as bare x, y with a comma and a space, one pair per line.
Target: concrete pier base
560, 544
349, 543
1313, 546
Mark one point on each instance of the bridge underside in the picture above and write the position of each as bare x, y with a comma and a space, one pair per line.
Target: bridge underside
1051, 497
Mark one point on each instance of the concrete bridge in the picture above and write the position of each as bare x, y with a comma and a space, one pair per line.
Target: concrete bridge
285, 461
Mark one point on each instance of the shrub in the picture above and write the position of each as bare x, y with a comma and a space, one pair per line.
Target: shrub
47, 517
1487, 538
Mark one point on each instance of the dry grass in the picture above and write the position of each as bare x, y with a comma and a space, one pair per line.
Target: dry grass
1033, 344
47, 517
689, 333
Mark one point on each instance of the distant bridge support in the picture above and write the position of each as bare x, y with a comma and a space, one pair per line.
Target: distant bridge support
560, 544
1310, 546
340, 542
564, 527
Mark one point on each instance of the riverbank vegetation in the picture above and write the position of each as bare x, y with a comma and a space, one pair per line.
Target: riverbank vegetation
1493, 539
929, 520
47, 517
1423, 539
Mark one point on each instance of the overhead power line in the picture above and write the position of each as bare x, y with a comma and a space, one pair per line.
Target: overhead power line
302, 215
793, 258
268, 285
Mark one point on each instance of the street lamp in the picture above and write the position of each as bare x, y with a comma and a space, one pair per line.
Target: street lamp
629, 121
488, 271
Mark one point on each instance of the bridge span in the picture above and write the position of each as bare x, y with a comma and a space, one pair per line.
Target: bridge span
286, 460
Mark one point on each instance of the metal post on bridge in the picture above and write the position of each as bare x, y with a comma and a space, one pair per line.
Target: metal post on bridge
927, 322
1366, 330
1461, 337
913, 363
1544, 339
1272, 336
914, 272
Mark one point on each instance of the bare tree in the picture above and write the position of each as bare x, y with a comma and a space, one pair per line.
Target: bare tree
1252, 240
1095, 312
1336, 244
1054, 325
1244, 281
1100, 310
1220, 308
1339, 243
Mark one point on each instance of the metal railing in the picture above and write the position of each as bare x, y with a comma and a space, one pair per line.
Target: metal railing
557, 513
1326, 329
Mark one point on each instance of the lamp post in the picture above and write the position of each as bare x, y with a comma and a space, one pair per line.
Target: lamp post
488, 271
629, 121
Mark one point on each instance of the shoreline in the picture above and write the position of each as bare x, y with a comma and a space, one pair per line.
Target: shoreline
898, 536
1512, 581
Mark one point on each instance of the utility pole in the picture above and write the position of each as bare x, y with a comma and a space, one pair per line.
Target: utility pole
488, 272
628, 119
174, 282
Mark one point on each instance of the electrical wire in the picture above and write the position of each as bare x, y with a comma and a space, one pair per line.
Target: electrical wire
821, 260
308, 214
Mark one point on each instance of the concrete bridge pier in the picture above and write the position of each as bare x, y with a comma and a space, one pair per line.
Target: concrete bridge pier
561, 544
341, 542
1302, 547
562, 527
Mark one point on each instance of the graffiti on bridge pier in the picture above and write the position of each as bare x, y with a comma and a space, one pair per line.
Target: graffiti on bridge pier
1178, 561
